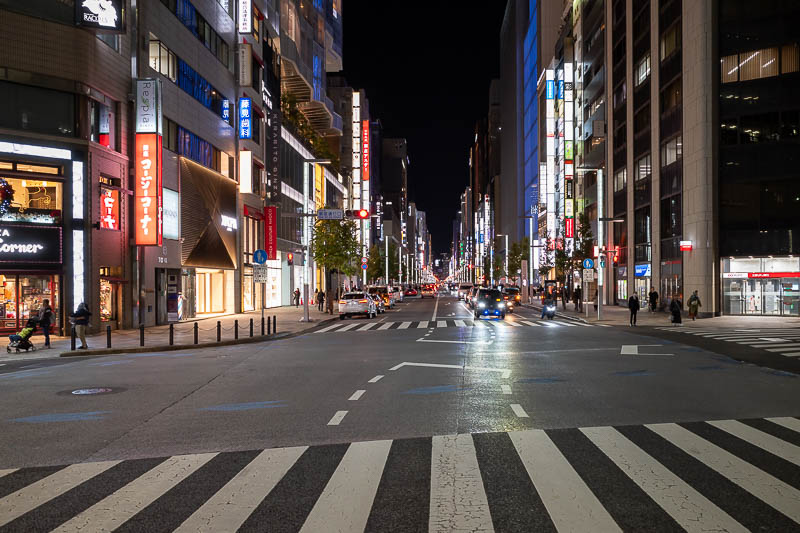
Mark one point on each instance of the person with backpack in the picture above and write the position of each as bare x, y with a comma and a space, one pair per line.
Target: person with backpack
45, 320
694, 305
81, 319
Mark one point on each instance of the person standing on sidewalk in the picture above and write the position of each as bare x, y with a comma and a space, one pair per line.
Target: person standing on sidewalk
675, 309
633, 305
694, 305
653, 297
320, 300
297, 297
579, 299
45, 320
81, 319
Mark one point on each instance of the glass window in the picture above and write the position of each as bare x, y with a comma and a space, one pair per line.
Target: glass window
729, 68
111, 39
35, 109
758, 64
672, 151
670, 41
641, 120
671, 96
643, 167
35, 201
642, 71
790, 58
620, 179
102, 125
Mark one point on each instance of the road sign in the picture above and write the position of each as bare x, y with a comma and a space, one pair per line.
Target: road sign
588, 275
259, 257
364, 266
588, 263
260, 273
364, 260
330, 214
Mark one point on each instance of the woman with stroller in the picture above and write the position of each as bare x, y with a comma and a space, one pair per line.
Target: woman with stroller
21, 341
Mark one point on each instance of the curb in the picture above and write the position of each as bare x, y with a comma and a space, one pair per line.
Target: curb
176, 347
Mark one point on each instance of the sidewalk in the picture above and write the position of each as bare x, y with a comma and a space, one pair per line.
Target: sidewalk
615, 315
287, 321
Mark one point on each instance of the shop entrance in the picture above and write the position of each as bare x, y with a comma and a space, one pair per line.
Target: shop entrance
210, 291
22, 297
768, 297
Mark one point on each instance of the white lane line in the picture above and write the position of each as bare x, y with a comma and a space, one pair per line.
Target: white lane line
549, 324
564, 323
791, 354
779, 349
32, 496
356, 395
518, 410
787, 422
337, 418
376, 379
460, 324
346, 502
765, 441
505, 373
763, 486
453, 342
505, 388
228, 509
7, 472
349, 326
690, 509
366, 327
119, 507
528, 323
386, 326
422, 324
435, 308
441, 323
404, 325
570, 503
323, 330
457, 500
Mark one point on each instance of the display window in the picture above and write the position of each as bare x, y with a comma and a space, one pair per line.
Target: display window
768, 286
34, 201
210, 291
23, 296
108, 301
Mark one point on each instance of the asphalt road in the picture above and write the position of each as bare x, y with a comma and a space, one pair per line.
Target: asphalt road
407, 388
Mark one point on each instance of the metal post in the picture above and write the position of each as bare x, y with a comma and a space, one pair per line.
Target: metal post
236, 329
219, 331
108, 336
171, 334
251, 327
386, 255
72, 338
306, 242
274, 324
601, 238
262, 322
196, 333
269, 326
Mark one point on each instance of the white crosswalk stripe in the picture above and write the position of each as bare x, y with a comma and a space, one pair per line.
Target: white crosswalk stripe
447, 323
781, 341
460, 483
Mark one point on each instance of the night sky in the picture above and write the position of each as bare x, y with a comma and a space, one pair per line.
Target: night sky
426, 67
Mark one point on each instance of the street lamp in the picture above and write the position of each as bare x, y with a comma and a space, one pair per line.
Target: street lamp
307, 232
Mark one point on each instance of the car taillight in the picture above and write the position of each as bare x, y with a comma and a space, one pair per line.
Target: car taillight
362, 301
505, 297
342, 302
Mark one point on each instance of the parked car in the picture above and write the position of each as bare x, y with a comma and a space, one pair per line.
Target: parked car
489, 303
380, 307
411, 291
464, 290
512, 297
356, 303
471, 297
386, 293
398, 294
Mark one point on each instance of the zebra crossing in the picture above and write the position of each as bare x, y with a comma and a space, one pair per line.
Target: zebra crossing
720, 475
450, 323
781, 341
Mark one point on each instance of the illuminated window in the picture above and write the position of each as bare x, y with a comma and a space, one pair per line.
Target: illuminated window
642, 70
758, 64
790, 58
5, 165
41, 169
643, 167
620, 179
672, 151
670, 41
162, 59
35, 201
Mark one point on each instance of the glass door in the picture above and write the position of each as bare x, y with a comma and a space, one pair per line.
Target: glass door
791, 296
752, 296
771, 296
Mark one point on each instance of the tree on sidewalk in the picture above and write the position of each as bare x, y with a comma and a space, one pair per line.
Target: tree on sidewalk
519, 251
336, 247
498, 267
546, 263
376, 265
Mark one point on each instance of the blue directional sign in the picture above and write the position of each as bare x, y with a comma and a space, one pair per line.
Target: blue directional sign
259, 257
588, 263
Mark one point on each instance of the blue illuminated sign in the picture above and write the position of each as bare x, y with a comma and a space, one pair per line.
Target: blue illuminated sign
560, 89
245, 119
226, 110
550, 89
642, 271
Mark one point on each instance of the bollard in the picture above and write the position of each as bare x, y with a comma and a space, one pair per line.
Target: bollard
219, 331
141, 334
171, 334
236, 329
262, 326
269, 326
196, 333
72, 339
108, 336
274, 325
251, 327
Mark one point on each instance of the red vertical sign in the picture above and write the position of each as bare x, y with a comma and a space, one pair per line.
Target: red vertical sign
148, 198
365, 150
271, 232
570, 227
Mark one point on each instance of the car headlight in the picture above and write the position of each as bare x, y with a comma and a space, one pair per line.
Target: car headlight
481, 305
501, 305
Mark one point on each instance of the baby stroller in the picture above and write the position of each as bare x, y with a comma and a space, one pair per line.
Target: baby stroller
21, 341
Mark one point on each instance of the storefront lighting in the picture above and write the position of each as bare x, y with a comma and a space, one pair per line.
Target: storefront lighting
77, 189
39, 151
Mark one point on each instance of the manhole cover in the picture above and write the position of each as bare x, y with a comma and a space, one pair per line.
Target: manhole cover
91, 391
99, 390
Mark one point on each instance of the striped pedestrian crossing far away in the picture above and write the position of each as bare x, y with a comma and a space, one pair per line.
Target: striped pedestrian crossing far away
721, 475
780, 341
364, 325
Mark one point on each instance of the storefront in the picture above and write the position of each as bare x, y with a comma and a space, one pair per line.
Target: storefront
642, 280
208, 245
622, 284
761, 286
671, 282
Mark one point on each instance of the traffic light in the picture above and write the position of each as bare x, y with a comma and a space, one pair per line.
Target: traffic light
290, 259
616, 256
360, 214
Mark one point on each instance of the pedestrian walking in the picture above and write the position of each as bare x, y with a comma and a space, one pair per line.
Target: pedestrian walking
653, 297
80, 318
45, 320
329, 302
633, 305
694, 305
675, 309
297, 297
320, 300
595, 299
564, 298
579, 298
